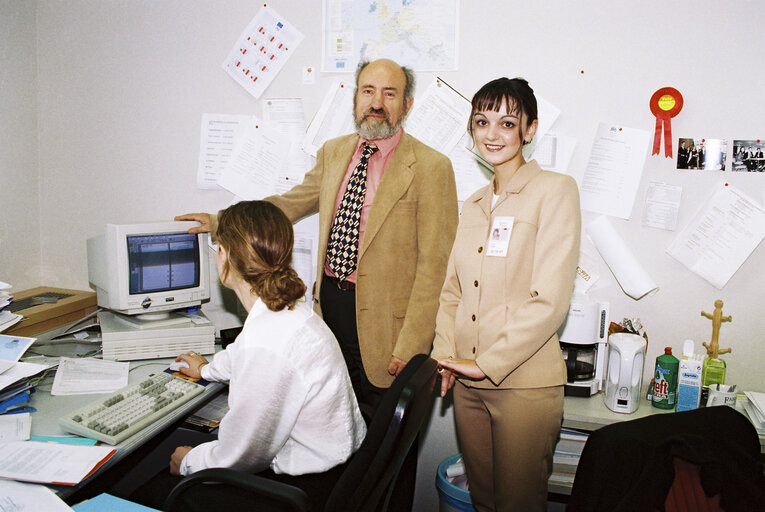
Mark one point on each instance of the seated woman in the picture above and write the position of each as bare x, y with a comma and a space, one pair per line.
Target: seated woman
292, 410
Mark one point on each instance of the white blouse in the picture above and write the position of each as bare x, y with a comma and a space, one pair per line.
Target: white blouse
291, 404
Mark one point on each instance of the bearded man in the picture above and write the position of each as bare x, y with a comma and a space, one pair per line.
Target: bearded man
387, 207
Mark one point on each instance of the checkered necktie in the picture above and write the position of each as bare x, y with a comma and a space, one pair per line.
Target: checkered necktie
343, 246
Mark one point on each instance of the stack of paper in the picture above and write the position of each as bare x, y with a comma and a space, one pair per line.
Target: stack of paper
51, 463
755, 409
7, 319
17, 496
15, 388
566, 456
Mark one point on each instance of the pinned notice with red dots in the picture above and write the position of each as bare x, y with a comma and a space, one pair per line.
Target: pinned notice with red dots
665, 103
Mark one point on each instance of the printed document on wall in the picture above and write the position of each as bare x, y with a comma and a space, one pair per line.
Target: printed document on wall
470, 170
285, 115
333, 119
547, 114
262, 50
721, 236
439, 118
218, 136
614, 169
420, 33
252, 171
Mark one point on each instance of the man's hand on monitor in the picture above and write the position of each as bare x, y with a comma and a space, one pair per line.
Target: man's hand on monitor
205, 220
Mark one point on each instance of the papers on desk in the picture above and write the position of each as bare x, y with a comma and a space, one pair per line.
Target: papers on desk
755, 409
20, 370
13, 347
51, 463
89, 376
21, 497
15, 427
7, 319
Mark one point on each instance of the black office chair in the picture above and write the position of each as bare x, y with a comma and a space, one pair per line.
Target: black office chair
702, 460
369, 477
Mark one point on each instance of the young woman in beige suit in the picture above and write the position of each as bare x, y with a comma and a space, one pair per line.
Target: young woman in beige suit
502, 302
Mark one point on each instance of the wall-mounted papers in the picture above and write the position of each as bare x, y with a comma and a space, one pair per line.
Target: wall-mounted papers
547, 114
721, 236
627, 270
613, 171
421, 33
218, 136
334, 117
470, 171
285, 116
261, 51
253, 169
439, 118
662, 204
554, 152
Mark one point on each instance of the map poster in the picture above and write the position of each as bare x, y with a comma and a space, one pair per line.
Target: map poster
419, 34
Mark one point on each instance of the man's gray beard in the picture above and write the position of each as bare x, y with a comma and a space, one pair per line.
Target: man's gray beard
375, 129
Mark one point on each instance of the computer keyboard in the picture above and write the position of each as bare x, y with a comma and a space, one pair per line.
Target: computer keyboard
130, 409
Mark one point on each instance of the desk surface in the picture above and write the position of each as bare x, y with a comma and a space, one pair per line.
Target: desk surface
592, 413
50, 408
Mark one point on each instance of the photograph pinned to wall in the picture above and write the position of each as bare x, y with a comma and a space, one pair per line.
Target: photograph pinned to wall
701, 154
748, 155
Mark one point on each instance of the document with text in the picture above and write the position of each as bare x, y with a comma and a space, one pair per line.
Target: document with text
722, 235
614, 170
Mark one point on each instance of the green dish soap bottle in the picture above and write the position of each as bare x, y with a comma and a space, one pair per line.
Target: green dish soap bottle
665, 380
713, 372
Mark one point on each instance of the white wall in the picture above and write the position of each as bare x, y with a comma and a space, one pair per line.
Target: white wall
19, 172
121, 86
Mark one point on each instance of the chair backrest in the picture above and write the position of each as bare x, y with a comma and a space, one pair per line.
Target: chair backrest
631, 465
369, 477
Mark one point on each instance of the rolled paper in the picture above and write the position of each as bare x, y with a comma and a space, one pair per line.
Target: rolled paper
629, 273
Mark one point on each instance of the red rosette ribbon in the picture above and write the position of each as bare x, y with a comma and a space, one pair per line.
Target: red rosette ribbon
665, 103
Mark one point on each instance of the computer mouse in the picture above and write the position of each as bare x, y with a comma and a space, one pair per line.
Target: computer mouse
177, 365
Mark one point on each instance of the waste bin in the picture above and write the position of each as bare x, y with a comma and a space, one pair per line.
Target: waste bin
451, 497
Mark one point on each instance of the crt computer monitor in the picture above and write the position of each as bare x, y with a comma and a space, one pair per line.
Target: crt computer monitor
149, 269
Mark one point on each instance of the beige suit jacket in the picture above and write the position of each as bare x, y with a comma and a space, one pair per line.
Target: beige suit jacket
504, 311
404, 251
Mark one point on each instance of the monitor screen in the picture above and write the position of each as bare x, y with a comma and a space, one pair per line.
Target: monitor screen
162, 262
142, 269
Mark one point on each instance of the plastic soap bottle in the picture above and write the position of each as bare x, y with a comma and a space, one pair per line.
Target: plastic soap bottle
689, 379
713, 372
665, 380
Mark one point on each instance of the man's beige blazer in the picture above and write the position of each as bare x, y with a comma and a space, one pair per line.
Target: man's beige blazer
404, 251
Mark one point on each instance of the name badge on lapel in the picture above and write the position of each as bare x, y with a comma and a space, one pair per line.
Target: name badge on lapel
499, 236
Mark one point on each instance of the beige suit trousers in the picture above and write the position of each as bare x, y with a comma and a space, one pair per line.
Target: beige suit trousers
507, 438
